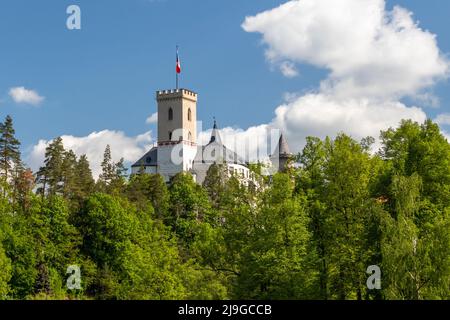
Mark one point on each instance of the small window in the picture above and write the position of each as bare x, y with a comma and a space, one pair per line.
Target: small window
149, 160
189, 115
170, 114
190, 136
170, 135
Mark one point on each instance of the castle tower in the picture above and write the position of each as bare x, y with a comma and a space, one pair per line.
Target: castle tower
282, 156
177, 131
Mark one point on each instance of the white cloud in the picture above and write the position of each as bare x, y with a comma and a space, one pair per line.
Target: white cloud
25, 96
288, 69
321, 115
375, 57
443, 119
93, 145
368, 50
152, 119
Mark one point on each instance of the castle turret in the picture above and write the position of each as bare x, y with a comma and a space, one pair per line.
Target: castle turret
282, 155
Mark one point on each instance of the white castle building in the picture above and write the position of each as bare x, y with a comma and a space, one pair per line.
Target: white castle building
177, 149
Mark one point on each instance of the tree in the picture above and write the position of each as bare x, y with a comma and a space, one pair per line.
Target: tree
23, 184
214, 183
189, 204
421, 149
56, 242
9, 148
108, 171
149, 189
5, 275
136, 256
274, 262
84, 182
69, 177
415, 255
50, 177
112, 178
311, 183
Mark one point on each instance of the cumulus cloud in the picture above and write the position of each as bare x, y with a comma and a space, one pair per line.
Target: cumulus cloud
443, 119
152, 119
288, 69
93, 145
368, 50
375, 58
25, 96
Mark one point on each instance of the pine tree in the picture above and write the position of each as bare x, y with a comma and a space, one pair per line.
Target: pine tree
23, 186
50, 176
84, 182
9, 148
68, 174
108, 173
112, 178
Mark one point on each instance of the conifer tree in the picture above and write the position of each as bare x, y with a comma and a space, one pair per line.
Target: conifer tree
108, 171
84, 182
9, 148
50, 176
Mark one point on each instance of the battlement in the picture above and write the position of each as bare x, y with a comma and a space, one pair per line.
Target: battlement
175, 93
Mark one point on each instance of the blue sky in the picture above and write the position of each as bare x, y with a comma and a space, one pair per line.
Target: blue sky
105, 75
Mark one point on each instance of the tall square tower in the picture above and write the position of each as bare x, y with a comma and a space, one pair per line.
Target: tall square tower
177, 131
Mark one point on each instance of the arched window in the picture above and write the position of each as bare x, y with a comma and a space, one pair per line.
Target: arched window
170, 134
189, 114
190, 136
170, 114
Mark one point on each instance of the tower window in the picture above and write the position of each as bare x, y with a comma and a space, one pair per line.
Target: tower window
170, 114
170, 135
189, 114
190, 136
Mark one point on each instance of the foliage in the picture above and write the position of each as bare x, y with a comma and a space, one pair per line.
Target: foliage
309, 233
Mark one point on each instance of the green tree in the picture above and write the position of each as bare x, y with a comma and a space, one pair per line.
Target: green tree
9, 148
144, 189
189, 204
274, 263
215, 182
416, 255
84, 182
112, 179
50, 177
421, 149
5, 275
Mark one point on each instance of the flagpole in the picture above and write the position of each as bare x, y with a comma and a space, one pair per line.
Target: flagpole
176, 73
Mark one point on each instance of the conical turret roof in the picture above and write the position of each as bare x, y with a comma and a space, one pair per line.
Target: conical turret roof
283, 146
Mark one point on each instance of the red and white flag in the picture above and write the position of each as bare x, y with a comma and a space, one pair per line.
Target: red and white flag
178, 63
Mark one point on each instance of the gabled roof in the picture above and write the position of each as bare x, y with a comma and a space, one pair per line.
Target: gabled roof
149, 159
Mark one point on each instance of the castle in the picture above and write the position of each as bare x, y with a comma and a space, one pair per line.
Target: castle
177, 149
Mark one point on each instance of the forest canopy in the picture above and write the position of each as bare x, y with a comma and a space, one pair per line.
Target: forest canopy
308, 233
